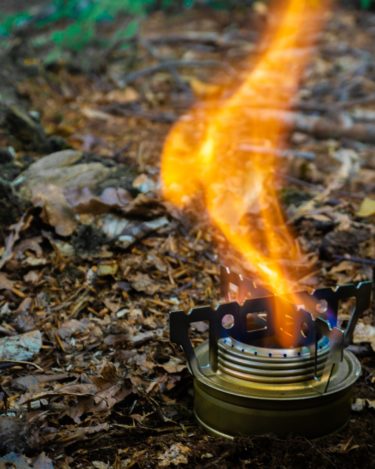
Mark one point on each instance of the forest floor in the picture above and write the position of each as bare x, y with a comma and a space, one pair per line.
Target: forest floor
92, 259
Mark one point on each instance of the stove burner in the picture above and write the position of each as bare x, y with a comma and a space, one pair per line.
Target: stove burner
247, 383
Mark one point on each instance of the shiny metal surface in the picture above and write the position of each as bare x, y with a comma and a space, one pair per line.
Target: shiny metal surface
229, 405
269, 365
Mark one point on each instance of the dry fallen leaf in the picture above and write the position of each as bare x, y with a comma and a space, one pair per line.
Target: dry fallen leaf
174, 365
52, 161
175, 455
82, 200
202, 89
5, 283
367, 208
143, 283
364, 333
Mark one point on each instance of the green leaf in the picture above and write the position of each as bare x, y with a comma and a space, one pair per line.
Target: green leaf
75, 36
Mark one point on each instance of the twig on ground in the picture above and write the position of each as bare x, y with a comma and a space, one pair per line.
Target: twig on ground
170, 64
119, 110
306, 155
199, 37
10, 363
319, 127
355, 260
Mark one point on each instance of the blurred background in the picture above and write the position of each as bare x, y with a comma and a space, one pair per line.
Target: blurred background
59, 27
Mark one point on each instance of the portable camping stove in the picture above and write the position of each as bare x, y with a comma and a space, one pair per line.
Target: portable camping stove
245, 381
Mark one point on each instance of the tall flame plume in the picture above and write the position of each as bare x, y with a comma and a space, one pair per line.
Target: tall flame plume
210, 152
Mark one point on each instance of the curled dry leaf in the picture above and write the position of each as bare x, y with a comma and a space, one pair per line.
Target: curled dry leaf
46, 180
54, 208
82, 200
174, 365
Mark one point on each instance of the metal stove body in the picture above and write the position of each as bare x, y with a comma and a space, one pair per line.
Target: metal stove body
246, 383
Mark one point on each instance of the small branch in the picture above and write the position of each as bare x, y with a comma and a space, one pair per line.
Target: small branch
370, 99
10, 363
306, 155
171, 64
196, 37
355, 260
318, 127
162, 117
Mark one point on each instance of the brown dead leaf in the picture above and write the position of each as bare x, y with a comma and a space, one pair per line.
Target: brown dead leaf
55, 211
14, 236
145, 205
5, 283
72, 327
174, 365
82, 200
143, 283
33, 277
109, 389
30, 244
45, 182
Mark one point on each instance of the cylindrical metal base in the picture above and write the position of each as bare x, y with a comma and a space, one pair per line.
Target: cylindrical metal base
229, 406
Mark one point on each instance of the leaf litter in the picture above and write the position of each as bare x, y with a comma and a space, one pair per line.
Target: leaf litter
96, 261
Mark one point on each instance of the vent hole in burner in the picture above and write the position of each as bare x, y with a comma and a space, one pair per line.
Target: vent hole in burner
321, 306
227, 321
256, 321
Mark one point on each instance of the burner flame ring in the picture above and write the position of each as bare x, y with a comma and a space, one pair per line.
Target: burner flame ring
268, 365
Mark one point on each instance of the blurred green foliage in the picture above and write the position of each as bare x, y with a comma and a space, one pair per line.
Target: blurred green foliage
366, 4
81, 18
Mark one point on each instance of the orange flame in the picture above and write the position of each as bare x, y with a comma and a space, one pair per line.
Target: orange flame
210, 151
